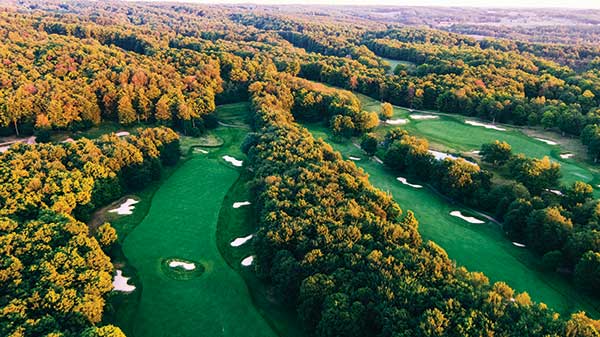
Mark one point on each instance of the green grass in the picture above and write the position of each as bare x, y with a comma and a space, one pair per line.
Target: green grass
393, 63
450, 133
478, 247
240, 222
182, 224
178, 220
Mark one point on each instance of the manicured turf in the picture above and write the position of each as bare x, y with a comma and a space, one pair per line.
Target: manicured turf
182, 224
480, 247
394, 63
450, 133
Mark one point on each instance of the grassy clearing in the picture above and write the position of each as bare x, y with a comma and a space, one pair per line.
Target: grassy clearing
393, 63
481, 247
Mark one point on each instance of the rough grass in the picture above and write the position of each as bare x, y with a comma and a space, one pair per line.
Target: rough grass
479, 247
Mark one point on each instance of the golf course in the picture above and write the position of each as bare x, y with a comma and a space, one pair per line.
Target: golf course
184, 286
479, 247
187, 245
452, 133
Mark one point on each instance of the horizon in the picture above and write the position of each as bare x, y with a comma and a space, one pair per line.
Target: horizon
507, 4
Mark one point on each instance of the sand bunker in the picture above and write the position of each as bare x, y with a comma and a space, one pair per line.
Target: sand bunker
233, 161
469, 219
485, 125
200, 150
240, 204
519, 244
120, 283
240, 241
549, 142
566, 155
68, 140
398, 121
405, 182
184, 265
4, 148
421, 116
248, 261
122, 134
476, 152
354, 158
557, 192
126, 208
443, 155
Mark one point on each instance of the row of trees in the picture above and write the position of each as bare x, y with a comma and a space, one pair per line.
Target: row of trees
350, 261
55, 272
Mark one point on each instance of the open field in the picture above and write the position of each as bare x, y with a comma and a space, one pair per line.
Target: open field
479, 247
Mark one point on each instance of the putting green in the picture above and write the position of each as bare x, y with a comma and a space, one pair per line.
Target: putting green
479, 247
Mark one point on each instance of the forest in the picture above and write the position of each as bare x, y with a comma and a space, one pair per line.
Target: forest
332, 254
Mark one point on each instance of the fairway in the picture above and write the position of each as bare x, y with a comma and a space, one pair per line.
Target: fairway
181, 225
479, 247
451, 133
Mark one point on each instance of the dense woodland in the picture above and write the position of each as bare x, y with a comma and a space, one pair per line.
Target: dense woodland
339, 252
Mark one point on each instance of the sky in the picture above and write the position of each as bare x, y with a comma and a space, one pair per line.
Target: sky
595, 4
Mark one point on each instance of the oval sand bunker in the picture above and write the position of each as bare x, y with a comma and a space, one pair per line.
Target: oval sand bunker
240, 241
181, 269
468, 219
248, 261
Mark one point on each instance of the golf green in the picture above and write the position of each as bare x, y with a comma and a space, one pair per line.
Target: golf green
181, 224
479, 247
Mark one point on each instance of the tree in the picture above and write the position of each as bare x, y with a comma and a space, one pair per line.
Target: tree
497, 152
163, 111
387, 111
125, 110
547, 229
106, 235
587, 272
369, 144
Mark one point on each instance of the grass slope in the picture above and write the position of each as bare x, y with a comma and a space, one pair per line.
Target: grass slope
480, 247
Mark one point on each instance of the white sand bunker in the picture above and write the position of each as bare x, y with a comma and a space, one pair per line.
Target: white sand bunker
126, 208
354, 158
469, 219
557, 192
200, 150
485, 125
68, 140
566, 155
122, 134
4, 148
240, 204
549, 142
421, 116
184, 265
120, 283
248, 261
240, 241
398, 121
233, 161
405, 182
443, 155
519, 244
476, 152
